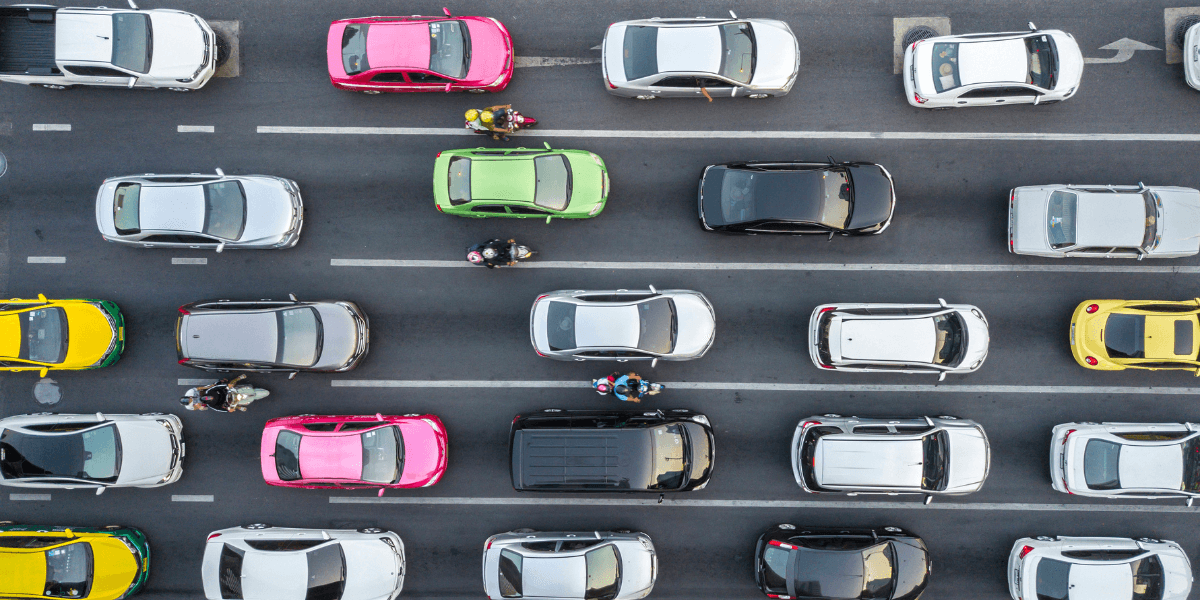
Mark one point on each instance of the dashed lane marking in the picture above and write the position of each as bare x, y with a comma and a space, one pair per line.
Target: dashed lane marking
192, 498
731, 266
46, 260
551, 61
195, 382
29, 497
189, 261
781, 387
51, 126
195, 129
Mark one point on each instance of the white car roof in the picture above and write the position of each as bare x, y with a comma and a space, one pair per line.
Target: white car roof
689, 49
83, 37
1106, 219
554, 577
1092, 581
900, 340
993, 61
851, 460
171, 207
607, 326
1159, 467
274, 575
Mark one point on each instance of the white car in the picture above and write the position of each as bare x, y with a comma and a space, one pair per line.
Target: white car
992, 69
260, 562
898, 338
593, 565
1126, 460
1112, 221
1098, 568
95, 451
1191, 56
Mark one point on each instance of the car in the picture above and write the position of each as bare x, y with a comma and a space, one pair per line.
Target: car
354, 452
272, 335
46, 335
898, 338
419, 54
622, 325
934, 456
611, 451
1112, 221
97, 563
522, 183
992, 69
211, 212
1156, 335
886, 563
95, 451
1098, 568
700, 58
1126, 460
592, 565
1191, 57
796, 198
261, 562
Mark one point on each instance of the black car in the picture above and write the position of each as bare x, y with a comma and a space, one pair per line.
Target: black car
811, 562
611, 451
796, 198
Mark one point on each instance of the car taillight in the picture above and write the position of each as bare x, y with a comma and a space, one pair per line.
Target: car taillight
184, 361
515, 418
1091, 308
1025, 550
830, 367
1091, 361
439, 155
782, 545
918, 99
779, 597
213, 535
439, 207
539, 352
810, 423
610, 84
827, 309
184, 311
488, 547
1069, 432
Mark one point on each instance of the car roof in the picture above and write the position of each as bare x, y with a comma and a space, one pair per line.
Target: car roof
331, 456
231, 335
896, 340
274, 575
398, 45
607, 326
171, 207
1087, 581
993, 61
695, 49
512, 179
554, 577
858, 460
1157, 467
1108, 219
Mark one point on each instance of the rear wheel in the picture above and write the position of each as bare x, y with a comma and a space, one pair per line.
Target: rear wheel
786, 526
522, 530
892, 529
179, 89
256, 526
370, 530
646, 97
112, 527
477, 91
758, 96
371, 92
1044, 538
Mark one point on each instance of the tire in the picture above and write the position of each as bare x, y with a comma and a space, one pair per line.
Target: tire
522, 530
179, 90
369, 530
645, 97
787, 526
153, 414
372, 92
890, 529
1044, 538
758, 96
477, 91
50, 86
622, 531
832, 416
948, 417
112, 527
256, 526
1148, 540
412, 415
552, 410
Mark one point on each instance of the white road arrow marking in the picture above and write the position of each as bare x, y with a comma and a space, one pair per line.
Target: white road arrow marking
1125, 48
551, 61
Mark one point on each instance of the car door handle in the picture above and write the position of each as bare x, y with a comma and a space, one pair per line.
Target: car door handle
962, 101
622, 360
581, 359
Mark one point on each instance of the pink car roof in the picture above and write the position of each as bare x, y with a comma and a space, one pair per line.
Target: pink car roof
398, 45
337, 456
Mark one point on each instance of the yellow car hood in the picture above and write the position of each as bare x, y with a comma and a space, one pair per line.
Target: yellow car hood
115, 568
89, 335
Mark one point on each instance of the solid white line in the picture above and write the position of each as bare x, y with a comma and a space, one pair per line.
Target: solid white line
916, 504
758, 135
551, 61
195, 129
47, 260
780, 387
51, 126
32, 497
187, 498
1066, 267
189, 261
195, 382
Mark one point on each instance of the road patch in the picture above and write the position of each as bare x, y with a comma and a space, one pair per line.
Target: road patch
900, 27
189, 261
229, 31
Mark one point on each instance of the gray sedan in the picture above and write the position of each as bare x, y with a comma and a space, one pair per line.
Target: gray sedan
699, 57
622, 325
569, 565
200, 211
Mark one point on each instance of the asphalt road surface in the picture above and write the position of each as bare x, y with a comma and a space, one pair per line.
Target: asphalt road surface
367, 197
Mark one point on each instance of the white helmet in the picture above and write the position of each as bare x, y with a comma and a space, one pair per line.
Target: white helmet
489, 253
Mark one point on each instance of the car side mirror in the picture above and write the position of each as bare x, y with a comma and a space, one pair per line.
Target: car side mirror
830, 236
942, 301
942, 377
132, 82
1037, 99
653, 290
293, 297
132, 5
733, 14
41, 298
654, 363
928, 498
447, 88
100, 490
293, 375
547, 145
1032, 27
548, 219
220, 247
1189, 501
446, 10
220, 173
380, 494
43, 372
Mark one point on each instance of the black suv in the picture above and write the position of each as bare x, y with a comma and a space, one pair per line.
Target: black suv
817, 562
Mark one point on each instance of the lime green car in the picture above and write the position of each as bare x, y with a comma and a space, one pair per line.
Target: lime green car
522, 183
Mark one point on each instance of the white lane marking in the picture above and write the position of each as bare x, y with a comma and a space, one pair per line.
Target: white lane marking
195, 129
189, 261
916, 504
51, 126
780, 387
31, 497
46, 260
195, 382
731, 266
551, 61
757, 135
192, 498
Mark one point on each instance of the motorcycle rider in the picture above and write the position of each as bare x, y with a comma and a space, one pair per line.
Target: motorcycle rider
224, 395
493, 253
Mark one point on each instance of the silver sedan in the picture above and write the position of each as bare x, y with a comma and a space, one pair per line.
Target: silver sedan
200, 211
1098, 568
569, 565
1126, 460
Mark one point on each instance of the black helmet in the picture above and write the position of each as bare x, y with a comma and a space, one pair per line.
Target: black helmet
622, 390
184, 400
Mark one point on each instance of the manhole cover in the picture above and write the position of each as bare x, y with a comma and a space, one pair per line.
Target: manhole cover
917, 34
1182, 25
223, 49
46, 391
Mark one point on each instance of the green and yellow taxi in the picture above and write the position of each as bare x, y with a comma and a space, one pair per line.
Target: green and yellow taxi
106, 563
49, 335
1113, 335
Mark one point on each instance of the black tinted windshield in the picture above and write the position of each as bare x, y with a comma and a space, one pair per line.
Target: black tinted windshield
1061, 217
354, 49
936, 456
69, 571
658, 326
1101, 459
44, 335
945, 67
299, 337
1043, 64
1053, 579
133, 42
560, 325
640, 52
287, 455
1147, 578
449, 48
229, 572
670, 457
510, 574
737, 45
326, 573
951, 339
1125, 336
126, 218
553, 175
382, 454
603, 573
93, 454
225, 214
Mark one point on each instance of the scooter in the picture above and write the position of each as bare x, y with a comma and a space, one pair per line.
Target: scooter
609, 385
492, 253
514, 120
237, 397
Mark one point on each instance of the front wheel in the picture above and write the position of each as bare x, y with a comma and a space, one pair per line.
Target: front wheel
51, 86
645, 97
179, 89
371, 92
476, 91
758, 96
370, 530
256, 526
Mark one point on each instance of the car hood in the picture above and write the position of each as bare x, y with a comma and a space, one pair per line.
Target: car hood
697, 325
490, 52
371, 570
874, 197
268, 209
1070, 61
424, 451
1029, 220
637, 568
912, 567
89, 334
969, 460
1180, 221
777, 52
339, 336
179, 49
145, 452
586, 183
978, 340
1177, 577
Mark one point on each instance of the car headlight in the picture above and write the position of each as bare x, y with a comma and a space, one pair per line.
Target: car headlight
499, 79
167, 424
597, 159
595, 210
128, 544
701, 419
977, 363
646, 544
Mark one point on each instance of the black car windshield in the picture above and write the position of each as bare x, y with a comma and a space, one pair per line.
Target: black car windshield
835, 191
382, 455
354, 49
326, 573
229, 572
1061, 217
225, 209
44, 335
299, 337
1147, 578
935, 449
737, 56
126, 219
553, 176
69, 571
659, 326
1125, 336
670, 457
287, 455
133, 42
93, 454
775, 564
640, 52
510, 574
1191, 465
950, 345
459, 186
945, 67
1043, 63
449, 48
603, 573
1053, 579
1101, 460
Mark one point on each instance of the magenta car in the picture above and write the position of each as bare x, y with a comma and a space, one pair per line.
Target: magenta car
353, 452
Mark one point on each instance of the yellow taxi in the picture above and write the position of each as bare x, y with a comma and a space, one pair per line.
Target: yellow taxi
44, 335
59, 562
1113, 335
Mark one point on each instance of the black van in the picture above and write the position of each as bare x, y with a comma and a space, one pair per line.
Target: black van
611, 451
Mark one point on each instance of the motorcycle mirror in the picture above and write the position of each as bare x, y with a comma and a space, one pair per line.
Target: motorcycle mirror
293, 375
100, 490
448, 87
830, 236
654, 363
220, 172
446, 10
380, 494
220, 247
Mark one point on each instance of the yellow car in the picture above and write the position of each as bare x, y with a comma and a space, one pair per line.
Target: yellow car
1113, 335
60, 562
44, 335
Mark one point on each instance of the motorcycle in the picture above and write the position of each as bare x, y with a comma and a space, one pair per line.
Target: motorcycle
628, 388
505, 121
498, 253
223, 396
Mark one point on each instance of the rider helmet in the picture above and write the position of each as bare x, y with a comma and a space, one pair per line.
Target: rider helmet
486, 116
602, 388
184, 400
475, 257
621, 390
472, 114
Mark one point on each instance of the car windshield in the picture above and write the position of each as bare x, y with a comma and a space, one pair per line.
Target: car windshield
1061, 216
1043, 64
382, 455
326, 573
670, 457
229, 572
1053, 579
879, 573
836, 208
951, 342
1147, 578
225, 209
945, 67
1101, 459
1191, 465
69, 571
936, 458
737, 196
510, 574
1125, 336
459, 187
640, 52
299, 337
287, 455
93, 454
553, 175
449, 48
560, 325
126, 218
737, 57
133, 42
603, 573
659, 326
354, 49
1153, 215
44, 335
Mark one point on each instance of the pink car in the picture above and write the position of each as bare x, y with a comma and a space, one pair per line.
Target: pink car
350, 452
419, 54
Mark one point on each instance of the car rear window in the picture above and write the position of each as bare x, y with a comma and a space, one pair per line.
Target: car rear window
510, 574
449, 48
659, 326
603, 573
126, 218
1053, 578
326, 573
1061, 215
299, 337
1101, 459
225, 214
229, 572
560, 325
737, 58
951, 339
287, 455
354, 49
1183, 337
1125, 336
69, 571
133, 41
382, 455
459, 186
640, 52
553, 175
945, 67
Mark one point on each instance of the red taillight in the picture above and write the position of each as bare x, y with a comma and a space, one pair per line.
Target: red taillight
439, 155
539, 298
1069, 432
827, 309
1065, 487
1025, 550
184, 361
184, 311
810, 423
514, 421
918, 99
539, 352
213, 535
782, 545
1091, 308
439, 207
611, 85
779, 597
1091, 361
830, 367
488, 547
